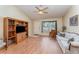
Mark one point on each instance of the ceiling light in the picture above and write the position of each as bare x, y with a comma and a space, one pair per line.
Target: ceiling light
40, 12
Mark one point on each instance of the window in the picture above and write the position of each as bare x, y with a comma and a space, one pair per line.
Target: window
47, 26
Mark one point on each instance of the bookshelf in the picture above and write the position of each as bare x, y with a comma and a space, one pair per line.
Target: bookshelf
10, 34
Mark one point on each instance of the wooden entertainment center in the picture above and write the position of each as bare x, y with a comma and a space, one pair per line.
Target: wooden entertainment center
15, 30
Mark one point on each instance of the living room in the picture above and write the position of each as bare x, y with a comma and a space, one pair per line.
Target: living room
64, 19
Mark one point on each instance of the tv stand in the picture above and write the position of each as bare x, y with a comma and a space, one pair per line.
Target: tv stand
10, 34
21, 36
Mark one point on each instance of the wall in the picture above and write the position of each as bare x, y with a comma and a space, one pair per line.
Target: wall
37, 25
74, 10
14, 12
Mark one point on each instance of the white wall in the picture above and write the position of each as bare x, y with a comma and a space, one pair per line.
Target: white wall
37, 25
74, 10
14, 12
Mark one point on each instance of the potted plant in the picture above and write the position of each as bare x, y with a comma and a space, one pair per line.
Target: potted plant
63, 28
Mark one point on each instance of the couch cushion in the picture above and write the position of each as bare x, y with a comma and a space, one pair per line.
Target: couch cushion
76, 38
70, 35
76, 44
61, 38
65, 44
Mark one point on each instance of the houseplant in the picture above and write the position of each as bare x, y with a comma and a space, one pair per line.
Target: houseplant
63, 28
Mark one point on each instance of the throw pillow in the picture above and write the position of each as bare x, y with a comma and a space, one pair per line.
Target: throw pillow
76, 38
70, 40
63, 35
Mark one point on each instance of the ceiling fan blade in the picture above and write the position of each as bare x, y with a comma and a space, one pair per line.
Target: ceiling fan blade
44, 8
45, 12
37, 8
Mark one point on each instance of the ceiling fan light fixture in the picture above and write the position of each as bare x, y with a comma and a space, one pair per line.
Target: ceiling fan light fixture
40, 12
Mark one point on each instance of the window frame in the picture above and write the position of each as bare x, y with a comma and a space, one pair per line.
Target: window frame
48, 21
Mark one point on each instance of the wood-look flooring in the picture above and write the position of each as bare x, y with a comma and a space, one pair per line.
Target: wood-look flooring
34, 45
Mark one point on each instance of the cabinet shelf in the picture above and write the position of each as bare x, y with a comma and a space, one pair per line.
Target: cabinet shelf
11, 24
11, 31
11, 37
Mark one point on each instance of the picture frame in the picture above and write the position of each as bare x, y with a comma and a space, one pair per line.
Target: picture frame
74, 21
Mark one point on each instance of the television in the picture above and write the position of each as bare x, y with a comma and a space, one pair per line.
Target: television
20, 29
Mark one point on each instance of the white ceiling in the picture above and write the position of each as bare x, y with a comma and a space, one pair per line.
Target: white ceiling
53, 11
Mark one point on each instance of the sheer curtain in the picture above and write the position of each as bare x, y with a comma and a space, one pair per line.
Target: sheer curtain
47, 26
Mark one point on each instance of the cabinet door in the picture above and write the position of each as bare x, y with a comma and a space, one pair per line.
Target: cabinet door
19, 37
24, 36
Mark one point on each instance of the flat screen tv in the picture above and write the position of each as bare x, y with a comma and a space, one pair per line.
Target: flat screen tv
20, 29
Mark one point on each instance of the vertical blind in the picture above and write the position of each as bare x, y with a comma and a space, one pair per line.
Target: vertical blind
47, 26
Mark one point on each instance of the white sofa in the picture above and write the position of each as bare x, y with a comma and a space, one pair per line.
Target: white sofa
63, 41
2, 44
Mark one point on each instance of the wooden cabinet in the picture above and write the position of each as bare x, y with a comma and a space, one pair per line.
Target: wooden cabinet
10, 33
52, 34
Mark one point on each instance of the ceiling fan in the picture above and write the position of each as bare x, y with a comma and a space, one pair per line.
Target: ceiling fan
41, 10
